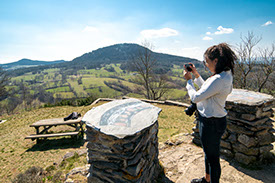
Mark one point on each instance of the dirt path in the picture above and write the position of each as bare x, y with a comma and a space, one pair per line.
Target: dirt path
186, 161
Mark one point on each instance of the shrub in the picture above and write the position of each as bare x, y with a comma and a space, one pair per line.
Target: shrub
57, 177
32, 175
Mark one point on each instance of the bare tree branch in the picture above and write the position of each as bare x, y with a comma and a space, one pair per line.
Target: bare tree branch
247, 58
267, 64
155, 86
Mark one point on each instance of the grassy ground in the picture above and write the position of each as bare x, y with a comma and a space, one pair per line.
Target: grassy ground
18, 154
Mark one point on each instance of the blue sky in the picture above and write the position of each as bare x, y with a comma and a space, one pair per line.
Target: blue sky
64, 29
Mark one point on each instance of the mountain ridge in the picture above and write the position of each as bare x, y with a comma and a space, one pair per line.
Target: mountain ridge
126, 51
123, 53
28, 63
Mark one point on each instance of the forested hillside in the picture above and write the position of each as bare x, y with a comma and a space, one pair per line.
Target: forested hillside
119, 53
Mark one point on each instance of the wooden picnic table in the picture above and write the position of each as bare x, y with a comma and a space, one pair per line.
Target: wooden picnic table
46, 124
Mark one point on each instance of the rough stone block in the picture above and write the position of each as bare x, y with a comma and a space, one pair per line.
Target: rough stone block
237, 147
247, 141
94, 179
225, 134
249, 117
242, 158
266, 139
262, 114
262, 132
135, 160
135, 170
266, 125
225, 144
232, 114
251, 123
266, 148
238, 129
267, 107
227, 152
232, 138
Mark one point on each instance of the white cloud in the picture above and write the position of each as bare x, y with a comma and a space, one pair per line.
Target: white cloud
267, 23
207, 38
157, 33
222, 30
191, 49
90, 29
191, 52
209, 27
208, 33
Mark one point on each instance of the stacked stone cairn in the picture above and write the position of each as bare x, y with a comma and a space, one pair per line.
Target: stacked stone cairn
122, 142
249, 134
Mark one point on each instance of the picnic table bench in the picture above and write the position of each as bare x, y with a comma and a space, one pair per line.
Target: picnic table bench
49, 123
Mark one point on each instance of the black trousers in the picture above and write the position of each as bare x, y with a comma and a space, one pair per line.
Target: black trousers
211, 131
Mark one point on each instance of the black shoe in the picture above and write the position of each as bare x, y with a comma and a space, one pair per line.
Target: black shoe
201, 180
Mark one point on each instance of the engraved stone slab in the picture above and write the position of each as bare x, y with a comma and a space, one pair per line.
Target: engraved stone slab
250, 98
122, 117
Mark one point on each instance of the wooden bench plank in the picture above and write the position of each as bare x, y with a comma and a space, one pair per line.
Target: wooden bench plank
34, 136
55, 121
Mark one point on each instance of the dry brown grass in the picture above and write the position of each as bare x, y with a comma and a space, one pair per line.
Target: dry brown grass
172, 121
18, 154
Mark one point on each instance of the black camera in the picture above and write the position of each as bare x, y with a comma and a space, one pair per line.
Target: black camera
191, 109
188, 67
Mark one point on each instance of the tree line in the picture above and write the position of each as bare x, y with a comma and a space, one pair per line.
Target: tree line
254, 70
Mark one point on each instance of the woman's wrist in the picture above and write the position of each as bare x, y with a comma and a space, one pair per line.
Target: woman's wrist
197, 75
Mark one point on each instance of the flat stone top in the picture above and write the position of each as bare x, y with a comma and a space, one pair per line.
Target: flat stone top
122, 117
246, 97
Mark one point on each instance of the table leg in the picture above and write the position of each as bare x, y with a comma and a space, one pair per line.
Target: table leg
82, 131
37, 132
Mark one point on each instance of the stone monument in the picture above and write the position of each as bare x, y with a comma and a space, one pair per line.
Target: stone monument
122, 142
249, 134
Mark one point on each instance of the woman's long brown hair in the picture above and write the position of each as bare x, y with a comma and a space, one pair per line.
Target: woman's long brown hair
226, 57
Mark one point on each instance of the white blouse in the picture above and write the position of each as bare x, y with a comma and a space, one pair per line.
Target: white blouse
211, 96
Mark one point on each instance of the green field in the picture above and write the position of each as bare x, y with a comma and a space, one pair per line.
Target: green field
95, 82
64, 95
59, 89
90, 82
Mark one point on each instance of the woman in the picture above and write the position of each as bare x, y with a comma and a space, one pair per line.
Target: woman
210, 100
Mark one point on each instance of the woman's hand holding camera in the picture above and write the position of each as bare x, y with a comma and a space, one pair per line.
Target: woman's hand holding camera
188, 68
187, 74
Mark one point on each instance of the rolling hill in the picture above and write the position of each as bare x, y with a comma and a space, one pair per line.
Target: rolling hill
28, 63
124, 53
118, 53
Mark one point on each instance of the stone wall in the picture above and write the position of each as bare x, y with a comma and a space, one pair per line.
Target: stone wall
249, 132
122, 142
